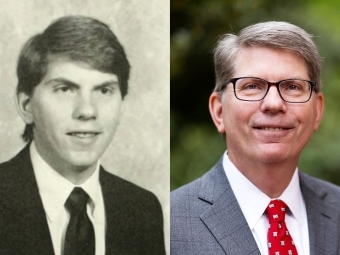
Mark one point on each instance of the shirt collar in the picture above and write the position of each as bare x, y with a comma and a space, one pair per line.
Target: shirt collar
293, 198
54, 189
253, 207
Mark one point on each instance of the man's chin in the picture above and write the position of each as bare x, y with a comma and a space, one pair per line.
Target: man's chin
83, 161
272, 153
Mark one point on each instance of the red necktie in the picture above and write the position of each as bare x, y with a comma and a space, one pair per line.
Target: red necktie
279, 240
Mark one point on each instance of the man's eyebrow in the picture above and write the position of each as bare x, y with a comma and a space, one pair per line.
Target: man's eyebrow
106, 84
75, 85
63, 81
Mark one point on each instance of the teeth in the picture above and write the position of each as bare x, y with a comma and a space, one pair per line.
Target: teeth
83, 135
272, 129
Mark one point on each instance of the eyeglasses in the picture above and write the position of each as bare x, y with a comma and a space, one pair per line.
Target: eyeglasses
255, 89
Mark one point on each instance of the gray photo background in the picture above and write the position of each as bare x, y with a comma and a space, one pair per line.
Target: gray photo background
141, 147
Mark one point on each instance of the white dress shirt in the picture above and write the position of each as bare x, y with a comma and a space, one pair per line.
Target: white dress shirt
54, 190
253, 203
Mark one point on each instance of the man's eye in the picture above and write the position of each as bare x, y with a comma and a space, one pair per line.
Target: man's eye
63, 89
293, 87
106, 90
251, 86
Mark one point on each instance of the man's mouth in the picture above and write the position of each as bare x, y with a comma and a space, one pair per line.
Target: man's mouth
272, 128
83, 134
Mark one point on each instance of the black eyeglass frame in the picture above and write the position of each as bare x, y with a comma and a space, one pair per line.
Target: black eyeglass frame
234, 80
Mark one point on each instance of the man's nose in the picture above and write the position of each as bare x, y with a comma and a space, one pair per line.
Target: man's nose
273, 101
85, 107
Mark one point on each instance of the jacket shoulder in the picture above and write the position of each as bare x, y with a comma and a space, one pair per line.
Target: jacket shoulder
21, 159
321, 188
136, 200
186, 192
127, 189
15, 171
135, 213
209, 186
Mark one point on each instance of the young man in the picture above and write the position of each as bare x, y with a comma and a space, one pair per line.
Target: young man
267, 103
55, 198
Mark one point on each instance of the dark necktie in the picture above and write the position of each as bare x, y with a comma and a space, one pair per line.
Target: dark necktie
279, 240
79, 238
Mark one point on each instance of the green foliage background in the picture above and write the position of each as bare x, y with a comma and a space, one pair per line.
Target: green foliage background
195, 28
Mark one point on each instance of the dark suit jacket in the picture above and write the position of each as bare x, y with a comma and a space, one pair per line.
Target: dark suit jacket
133, 215
206, 218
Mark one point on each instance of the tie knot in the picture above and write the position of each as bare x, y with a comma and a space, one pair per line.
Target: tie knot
77, 200
276, 210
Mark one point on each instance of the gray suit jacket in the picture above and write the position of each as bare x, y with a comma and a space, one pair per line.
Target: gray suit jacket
207, 219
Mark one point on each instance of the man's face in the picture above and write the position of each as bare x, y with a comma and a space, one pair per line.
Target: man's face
269, 130
75, 111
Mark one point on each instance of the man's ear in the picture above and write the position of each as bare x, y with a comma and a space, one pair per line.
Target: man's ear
215, 107
320, 104
24, 107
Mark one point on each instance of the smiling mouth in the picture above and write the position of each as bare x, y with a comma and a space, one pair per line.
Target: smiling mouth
83, 134
272, 128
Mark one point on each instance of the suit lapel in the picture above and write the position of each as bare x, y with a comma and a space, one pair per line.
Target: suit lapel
322, 215
28, 225
224, 217
116, 211
112, 215
226, 222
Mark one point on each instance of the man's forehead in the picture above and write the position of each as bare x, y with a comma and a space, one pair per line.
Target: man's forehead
253, 58
63, 58
79, 72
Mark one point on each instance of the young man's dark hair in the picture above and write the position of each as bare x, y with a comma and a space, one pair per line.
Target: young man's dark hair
78, 38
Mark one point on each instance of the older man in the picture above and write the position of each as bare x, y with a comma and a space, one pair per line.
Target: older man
267, 103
